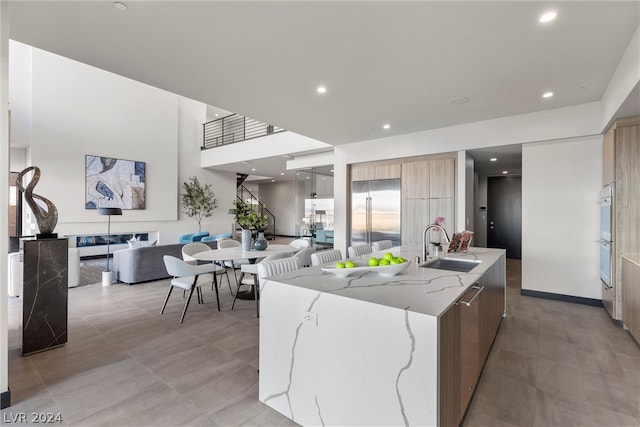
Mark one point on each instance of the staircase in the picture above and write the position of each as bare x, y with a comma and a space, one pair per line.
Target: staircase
243, 194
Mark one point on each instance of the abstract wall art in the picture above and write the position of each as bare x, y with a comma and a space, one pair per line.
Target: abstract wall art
114, 183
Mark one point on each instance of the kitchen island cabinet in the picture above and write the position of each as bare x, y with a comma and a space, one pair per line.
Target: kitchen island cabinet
631, 294
374, 350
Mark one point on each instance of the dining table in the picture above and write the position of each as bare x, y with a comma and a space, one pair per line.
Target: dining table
237, 254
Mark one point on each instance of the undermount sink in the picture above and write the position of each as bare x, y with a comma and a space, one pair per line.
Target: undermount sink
452, 264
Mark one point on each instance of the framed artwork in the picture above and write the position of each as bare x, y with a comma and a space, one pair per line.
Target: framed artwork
114, 183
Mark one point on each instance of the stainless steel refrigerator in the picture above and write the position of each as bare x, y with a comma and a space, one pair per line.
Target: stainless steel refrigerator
375, 211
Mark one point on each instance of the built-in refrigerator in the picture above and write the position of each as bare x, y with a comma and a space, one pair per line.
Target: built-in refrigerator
375, 211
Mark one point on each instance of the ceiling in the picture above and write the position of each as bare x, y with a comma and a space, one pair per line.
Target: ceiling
411, 65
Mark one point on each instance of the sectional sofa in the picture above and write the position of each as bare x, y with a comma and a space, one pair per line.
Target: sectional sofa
145, 263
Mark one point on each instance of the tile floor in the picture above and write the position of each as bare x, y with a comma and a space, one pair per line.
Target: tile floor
553, 364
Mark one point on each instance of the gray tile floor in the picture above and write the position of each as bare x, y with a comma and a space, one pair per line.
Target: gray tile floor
553, 363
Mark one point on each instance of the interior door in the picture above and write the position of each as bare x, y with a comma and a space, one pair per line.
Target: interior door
504, 214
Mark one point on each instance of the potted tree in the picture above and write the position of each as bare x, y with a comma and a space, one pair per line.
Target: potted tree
198, 201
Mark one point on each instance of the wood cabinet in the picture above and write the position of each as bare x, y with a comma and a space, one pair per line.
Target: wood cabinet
428, 190
480, 311
631, 294
376, 170
442, 178
415, 179
621, 166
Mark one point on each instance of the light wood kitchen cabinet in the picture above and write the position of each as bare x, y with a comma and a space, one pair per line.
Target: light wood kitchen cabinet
621, 166
442, 178
415, 216
444, 208
631, 294
376, 170
415, 180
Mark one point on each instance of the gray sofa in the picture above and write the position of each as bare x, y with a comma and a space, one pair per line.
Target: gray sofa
143, 264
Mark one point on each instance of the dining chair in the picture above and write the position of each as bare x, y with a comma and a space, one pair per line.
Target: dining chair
252, 269
272, 268
300, 243
191, 249
234, 265
381, 245
187, 277
325, 257
304, 256
359, 250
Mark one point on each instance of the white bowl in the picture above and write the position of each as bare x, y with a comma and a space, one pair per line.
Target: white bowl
382, 270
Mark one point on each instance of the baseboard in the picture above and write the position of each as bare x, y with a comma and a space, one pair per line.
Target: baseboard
560, 297
5, 399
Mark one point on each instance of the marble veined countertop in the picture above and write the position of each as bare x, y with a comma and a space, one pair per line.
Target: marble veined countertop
421, 290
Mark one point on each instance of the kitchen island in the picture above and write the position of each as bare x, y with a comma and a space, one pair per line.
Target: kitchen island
379, 350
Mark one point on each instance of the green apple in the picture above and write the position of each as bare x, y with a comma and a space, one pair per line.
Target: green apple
384, 262
349, 264
401, 259
373, 262
388, 256
340, 265
395, 261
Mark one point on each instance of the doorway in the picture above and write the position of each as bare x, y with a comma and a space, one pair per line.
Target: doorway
504, 214
15, 213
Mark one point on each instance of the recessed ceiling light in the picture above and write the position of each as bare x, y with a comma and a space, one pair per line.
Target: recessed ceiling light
548, 17
505, 172
386, 126
321, 89
308, 177
273, 180
253, 169
120, 6
324, 177
547, 94
493, 159
246, 162
460, 100
281, 173
217, 114
331, 170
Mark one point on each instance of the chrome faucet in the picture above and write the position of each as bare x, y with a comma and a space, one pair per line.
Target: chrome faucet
425, 252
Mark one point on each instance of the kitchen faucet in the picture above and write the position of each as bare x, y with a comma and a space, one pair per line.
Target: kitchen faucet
425, 252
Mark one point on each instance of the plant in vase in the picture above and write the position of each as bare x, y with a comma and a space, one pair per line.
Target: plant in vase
436, 235
250, 220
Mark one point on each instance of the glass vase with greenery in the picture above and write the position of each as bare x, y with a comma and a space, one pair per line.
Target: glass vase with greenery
249, 218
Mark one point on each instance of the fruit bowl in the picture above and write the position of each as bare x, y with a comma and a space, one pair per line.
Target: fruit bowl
362, 267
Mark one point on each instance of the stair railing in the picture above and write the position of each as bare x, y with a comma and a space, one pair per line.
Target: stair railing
243, 194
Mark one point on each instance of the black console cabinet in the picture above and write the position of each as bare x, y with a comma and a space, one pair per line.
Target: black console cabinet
44, 303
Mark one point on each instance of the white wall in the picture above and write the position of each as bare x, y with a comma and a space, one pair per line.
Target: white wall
4, 196
561, 183
79, 110
20, 94
279, 198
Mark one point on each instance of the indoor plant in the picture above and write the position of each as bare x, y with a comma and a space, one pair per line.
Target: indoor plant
250, 219
198, 201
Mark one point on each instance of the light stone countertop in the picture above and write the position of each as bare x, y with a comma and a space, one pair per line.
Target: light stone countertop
420, 290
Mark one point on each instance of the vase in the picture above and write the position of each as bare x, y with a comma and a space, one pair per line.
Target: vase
260, 243
246, 240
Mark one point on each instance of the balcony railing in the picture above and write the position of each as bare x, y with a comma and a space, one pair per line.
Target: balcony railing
235, 128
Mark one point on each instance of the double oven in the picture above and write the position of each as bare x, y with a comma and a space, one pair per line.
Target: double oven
607, 275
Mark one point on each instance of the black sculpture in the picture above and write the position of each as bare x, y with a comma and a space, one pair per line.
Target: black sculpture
46, 219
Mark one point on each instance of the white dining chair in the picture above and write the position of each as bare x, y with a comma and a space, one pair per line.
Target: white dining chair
187, 277
325, 257
381, 245
359, 250
234, 265
300, 243
272, 268
304, 256
252, 269
191, 249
